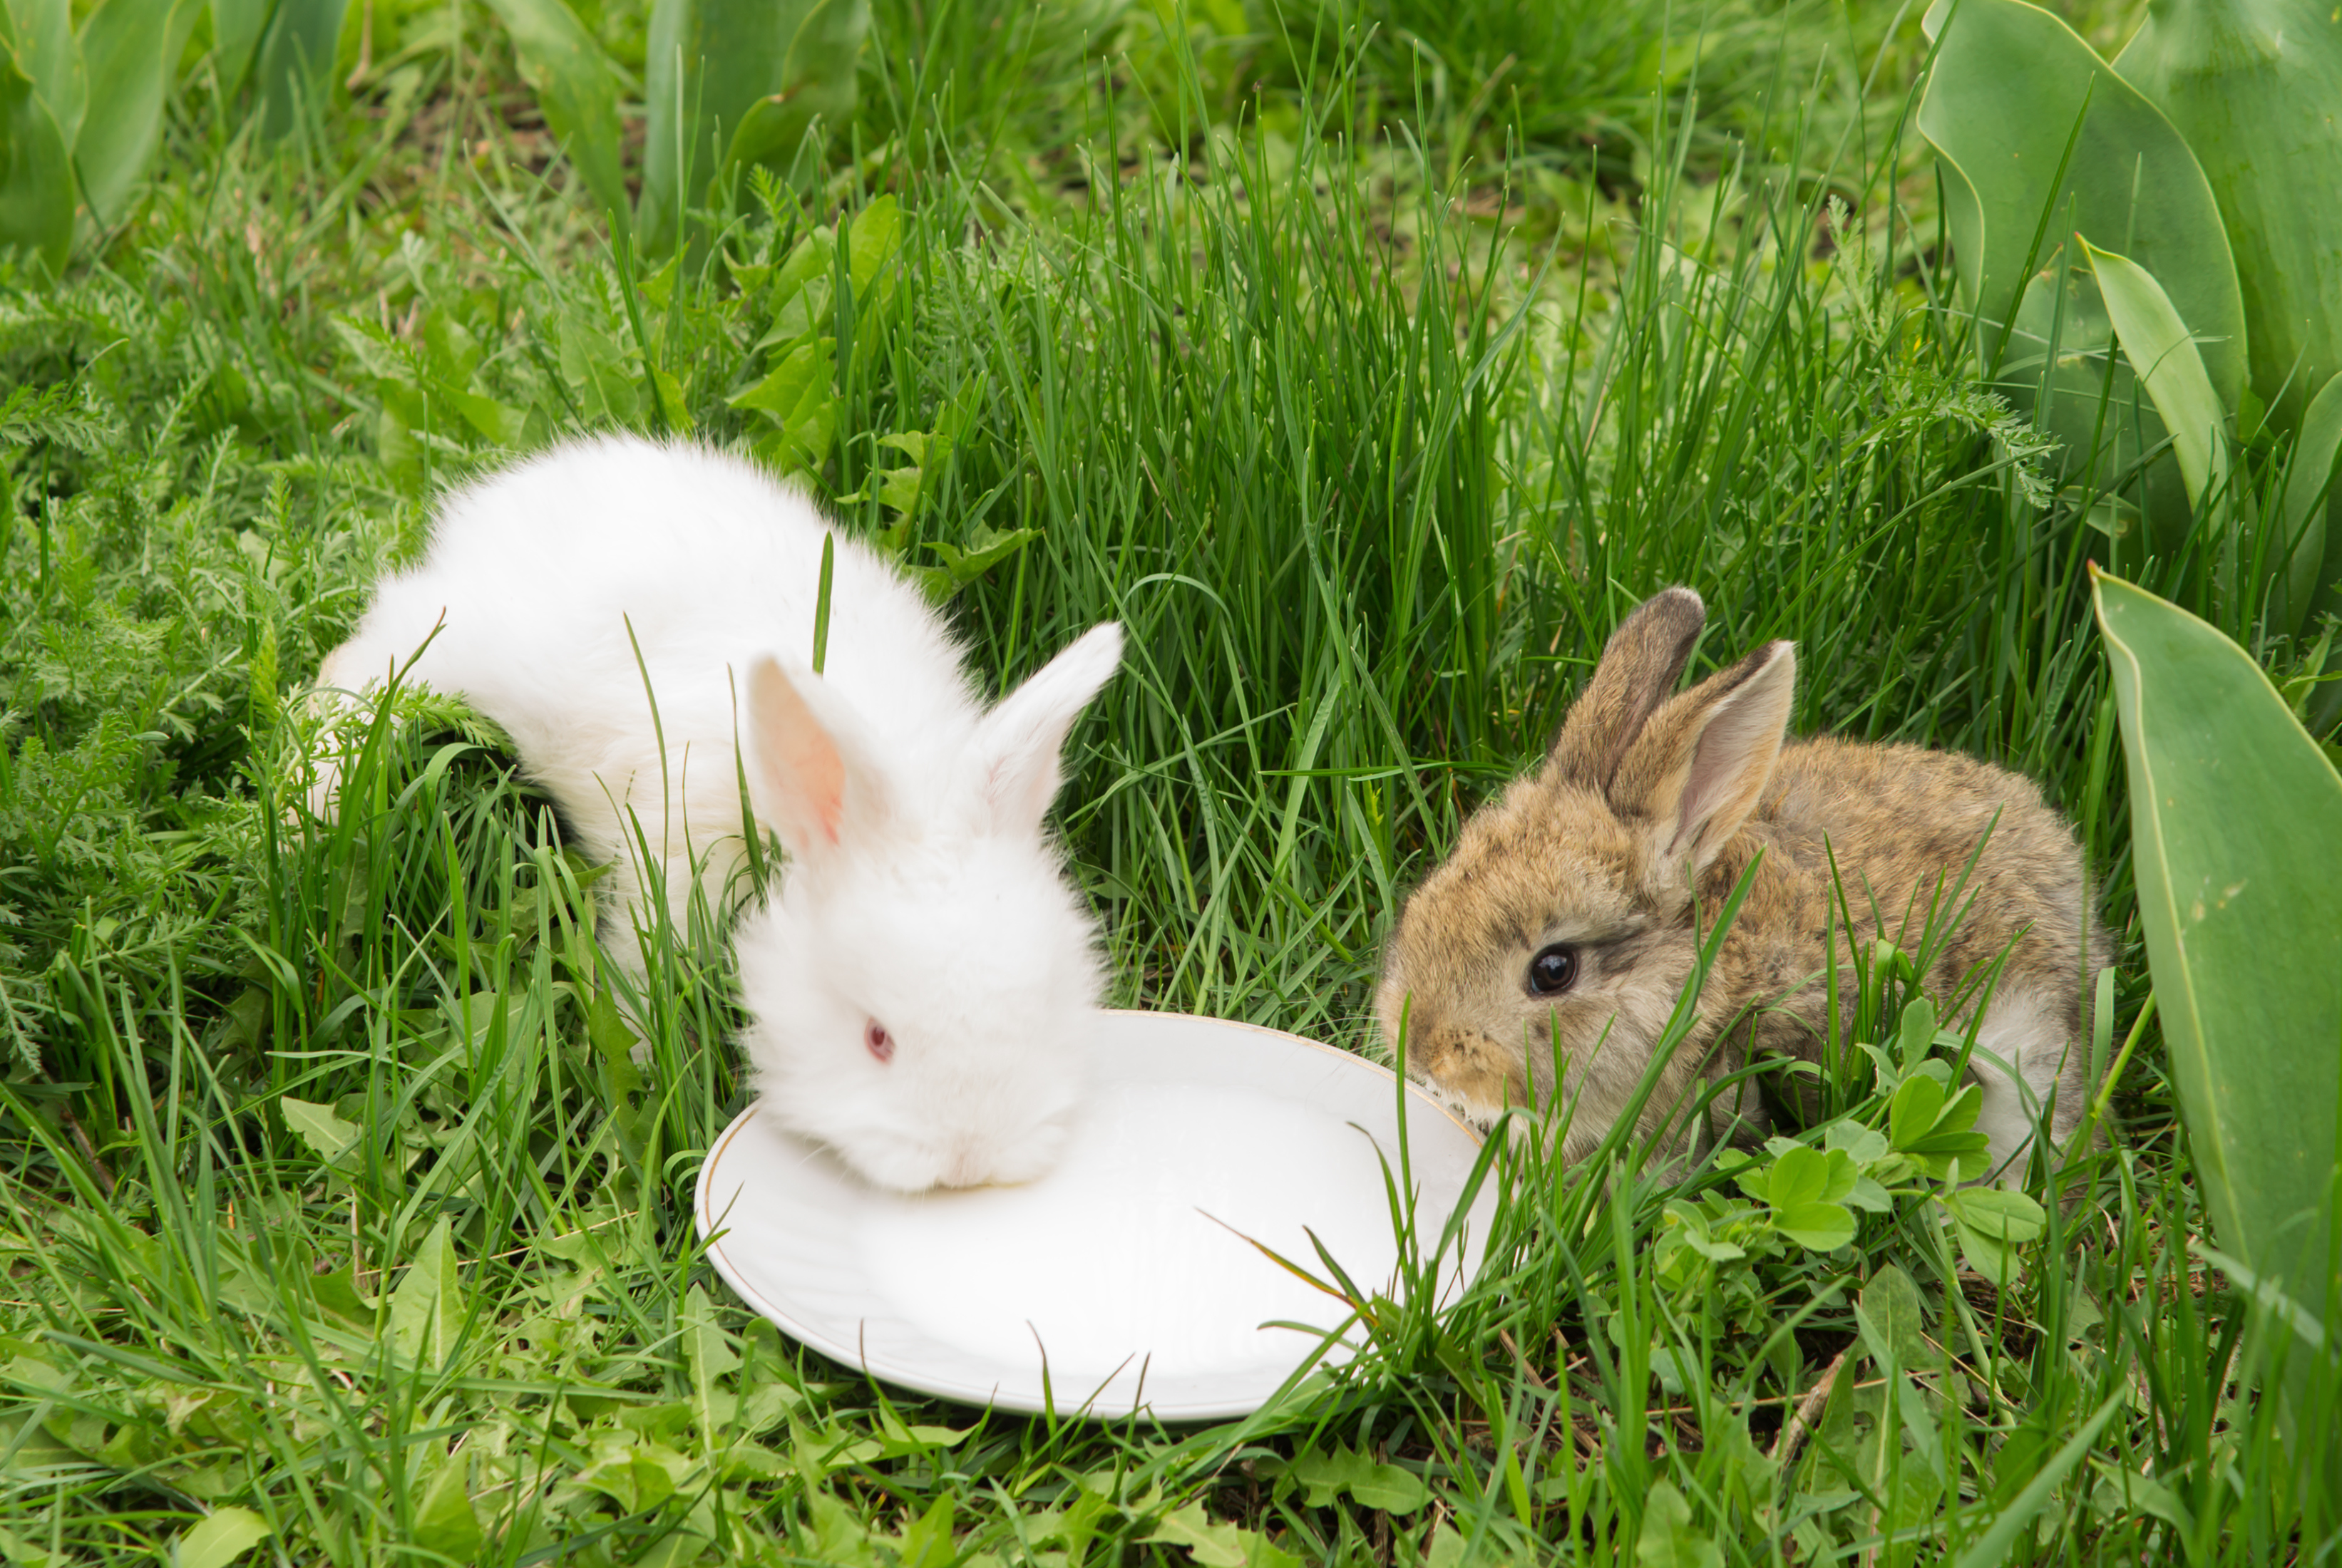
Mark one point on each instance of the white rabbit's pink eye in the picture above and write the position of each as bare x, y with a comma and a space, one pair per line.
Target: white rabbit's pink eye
1554, 970
881, 1043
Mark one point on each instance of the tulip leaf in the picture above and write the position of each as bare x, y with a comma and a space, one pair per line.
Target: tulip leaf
2038, 138
296, 59
132, 50
2156, 342
2253, 84
819, 77
41, 34
577, 88
733, 81
2314, 567
2237, 828
37, 192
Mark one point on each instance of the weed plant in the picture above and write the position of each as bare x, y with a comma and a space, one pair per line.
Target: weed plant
344, 1204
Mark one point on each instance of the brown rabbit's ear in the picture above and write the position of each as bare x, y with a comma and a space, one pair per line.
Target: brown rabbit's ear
1640, 665
1703, 761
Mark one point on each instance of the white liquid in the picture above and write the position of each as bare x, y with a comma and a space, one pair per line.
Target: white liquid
1107, 1260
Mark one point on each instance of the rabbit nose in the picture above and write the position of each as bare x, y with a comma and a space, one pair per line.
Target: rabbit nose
1442, 1049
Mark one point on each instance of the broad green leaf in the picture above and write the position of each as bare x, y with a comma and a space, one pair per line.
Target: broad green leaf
1388, 1487
1800, 1176
2009, 87
1869, 1196
709, 65
709, 1355
800, 289
328, 1134
222, 1536
1911, 1114
1839, 1175
37, 182
41, 34
445, 1520
1916, 1031
1993, 1223
1818, 1226
782, 394
426, 1310
606, 1027
899, 488
2312, 580
236, 26
838, 1535
131, 49
987, 549
928, 1542
2122, 1489
820, 71
871, 242
2252, 86
1667, 1538
1214, 1545
338, 1293
295, 61
500, 423
1892, 1318
2236, 833
577, 88
800, 397
1862, 1144
596, 368
2161, 354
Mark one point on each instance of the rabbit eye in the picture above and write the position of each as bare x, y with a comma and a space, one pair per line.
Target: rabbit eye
881, 1043
1554, 970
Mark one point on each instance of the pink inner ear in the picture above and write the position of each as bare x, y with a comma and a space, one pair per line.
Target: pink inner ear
1733, 757
821, 775
798, 764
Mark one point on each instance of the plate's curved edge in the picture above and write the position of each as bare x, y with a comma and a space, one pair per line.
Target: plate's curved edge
1414, 1090
997, 1398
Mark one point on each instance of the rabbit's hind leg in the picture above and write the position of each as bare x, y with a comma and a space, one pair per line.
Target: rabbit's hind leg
2019, 1062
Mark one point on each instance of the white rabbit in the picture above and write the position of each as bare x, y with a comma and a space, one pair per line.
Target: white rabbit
922, 987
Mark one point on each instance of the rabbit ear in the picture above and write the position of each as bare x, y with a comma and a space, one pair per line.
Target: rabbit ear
1702, 762
1014, 754
1640, 665
807, 778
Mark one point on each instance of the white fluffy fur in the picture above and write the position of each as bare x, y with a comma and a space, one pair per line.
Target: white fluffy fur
936, 909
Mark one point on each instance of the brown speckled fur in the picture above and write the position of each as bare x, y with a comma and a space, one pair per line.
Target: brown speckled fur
1600, 847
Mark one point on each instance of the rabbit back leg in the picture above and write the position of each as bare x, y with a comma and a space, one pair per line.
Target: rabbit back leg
2028, 1062
339, 695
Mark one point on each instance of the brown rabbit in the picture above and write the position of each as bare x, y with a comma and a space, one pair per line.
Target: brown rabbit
1566, 912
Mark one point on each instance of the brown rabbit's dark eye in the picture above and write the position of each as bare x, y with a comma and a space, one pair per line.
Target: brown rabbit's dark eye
881, 1043
1554, 970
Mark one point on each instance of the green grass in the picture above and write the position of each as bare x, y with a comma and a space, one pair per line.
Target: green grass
333, 1190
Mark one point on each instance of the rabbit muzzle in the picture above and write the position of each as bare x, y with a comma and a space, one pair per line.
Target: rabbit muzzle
1470, 1071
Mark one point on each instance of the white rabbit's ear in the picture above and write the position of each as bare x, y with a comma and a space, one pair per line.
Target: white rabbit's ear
807, 778
1013, 756
1703, 761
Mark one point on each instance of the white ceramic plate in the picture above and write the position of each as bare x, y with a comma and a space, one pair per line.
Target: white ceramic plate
1108, 1265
